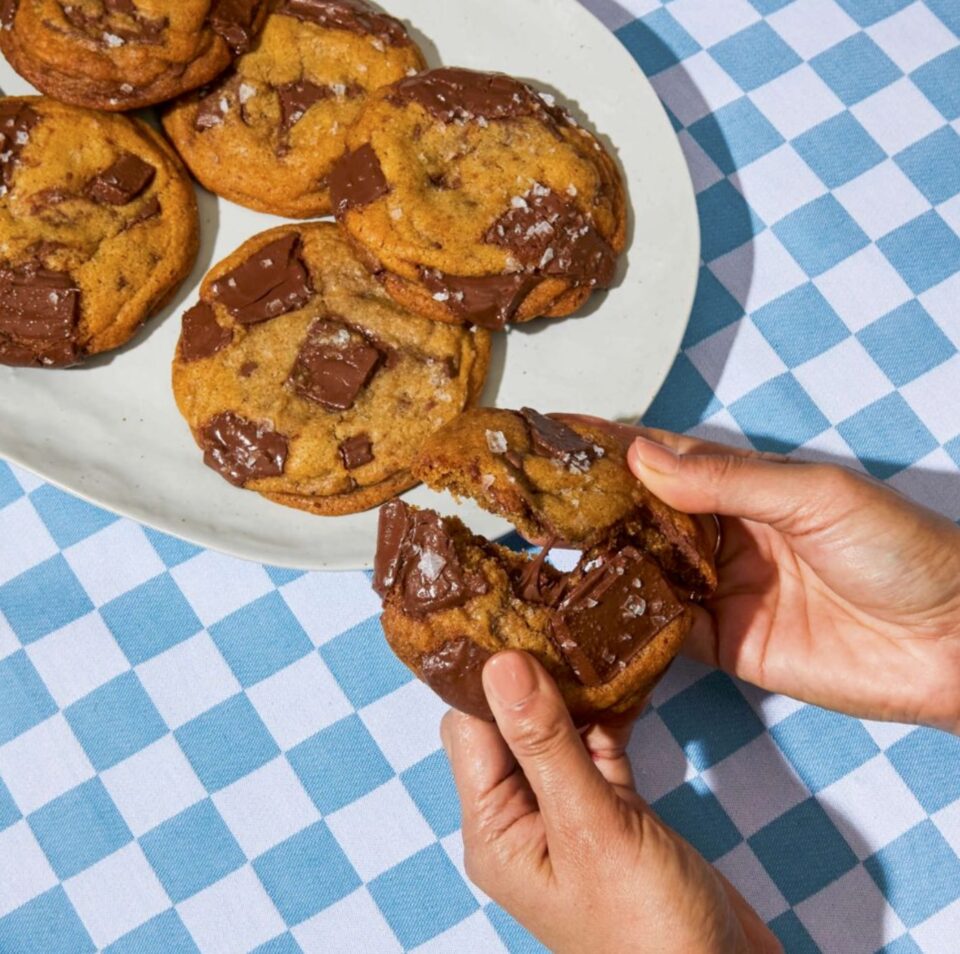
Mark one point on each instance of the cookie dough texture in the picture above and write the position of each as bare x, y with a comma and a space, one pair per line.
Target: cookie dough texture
98, 228
302, 380
476, 199
606, 631
124, 54
267, 134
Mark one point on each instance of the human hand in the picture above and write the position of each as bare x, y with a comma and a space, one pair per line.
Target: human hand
833, 589
555, 832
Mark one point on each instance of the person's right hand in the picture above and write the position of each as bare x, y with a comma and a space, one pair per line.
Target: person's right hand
834, 588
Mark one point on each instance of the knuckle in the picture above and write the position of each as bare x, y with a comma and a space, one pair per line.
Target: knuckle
540, 738
720, 469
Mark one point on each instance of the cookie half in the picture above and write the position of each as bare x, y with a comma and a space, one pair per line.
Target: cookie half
124, 54
268, 133
303, 380
606, 631
98, 228
476, 199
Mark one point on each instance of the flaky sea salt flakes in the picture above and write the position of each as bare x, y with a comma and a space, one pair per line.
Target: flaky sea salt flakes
112, 40
540, 190
548, 256
592, 564
487, 481
441, 296
497, 442
246, 92
396, 213
339, 90
431, 565
572, 191
519, 202
551, 101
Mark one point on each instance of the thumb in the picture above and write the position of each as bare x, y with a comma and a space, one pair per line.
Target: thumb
737, 484
571, 793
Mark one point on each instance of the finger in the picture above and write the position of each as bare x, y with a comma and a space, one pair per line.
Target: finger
701, 641
782, 495
606, 742
479, 758
572, 794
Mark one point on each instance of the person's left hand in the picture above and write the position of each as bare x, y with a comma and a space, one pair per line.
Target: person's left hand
555, 832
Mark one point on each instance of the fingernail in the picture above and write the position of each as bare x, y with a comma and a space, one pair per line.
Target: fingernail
654, 456
510, 678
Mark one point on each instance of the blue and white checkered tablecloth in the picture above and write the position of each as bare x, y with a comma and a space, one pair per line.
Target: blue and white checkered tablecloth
202, 754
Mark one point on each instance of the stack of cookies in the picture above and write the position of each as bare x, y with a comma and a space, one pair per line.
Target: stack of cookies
329, 366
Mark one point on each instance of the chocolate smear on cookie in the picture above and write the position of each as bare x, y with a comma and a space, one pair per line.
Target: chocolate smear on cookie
490, 301
271, 282
110, 33
416, 555
356, 451
17, 120
452, 94
335, 363
241, 450
548, 234
122, 182
353, 15
614, 604
454, 673
357, 179
233, 20
201, 335
8, 10
39, 309
552, 439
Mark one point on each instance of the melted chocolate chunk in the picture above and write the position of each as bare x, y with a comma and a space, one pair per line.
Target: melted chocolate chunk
109, 32
357, 179
271, 282
201, 335
416, 556
39, 310
451, 94
233, 20
334, 365
151, 209
8, 10
539, 582
247, 368
122, 182
550, 438
490, 301
455, 673
353, 15
548, 234
614, 604
211, 109
120, 6
356, 451
17, 120
242, 450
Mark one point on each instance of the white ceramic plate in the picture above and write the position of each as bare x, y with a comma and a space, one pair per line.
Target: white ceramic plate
110, 431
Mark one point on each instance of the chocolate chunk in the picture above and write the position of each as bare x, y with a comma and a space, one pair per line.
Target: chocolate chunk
455, 673
211, 109
122, 182
271, 282
242, 450
451, 94
296, 99
120, 6
490, 301
109, 33
353, 15
546, 233
416, 556
48, 198
8, 10
357, 179
201, 335
334, 365
151, 209
356, 451
233, 20
39, 310
614, 605
552, 439
17, 120
247, 368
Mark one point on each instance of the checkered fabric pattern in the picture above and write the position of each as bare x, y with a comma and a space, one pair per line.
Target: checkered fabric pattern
200, 754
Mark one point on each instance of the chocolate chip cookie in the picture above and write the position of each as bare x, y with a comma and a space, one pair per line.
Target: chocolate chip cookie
98, 227
267, 134
303, 380
124, 54
477, 199
606, 631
